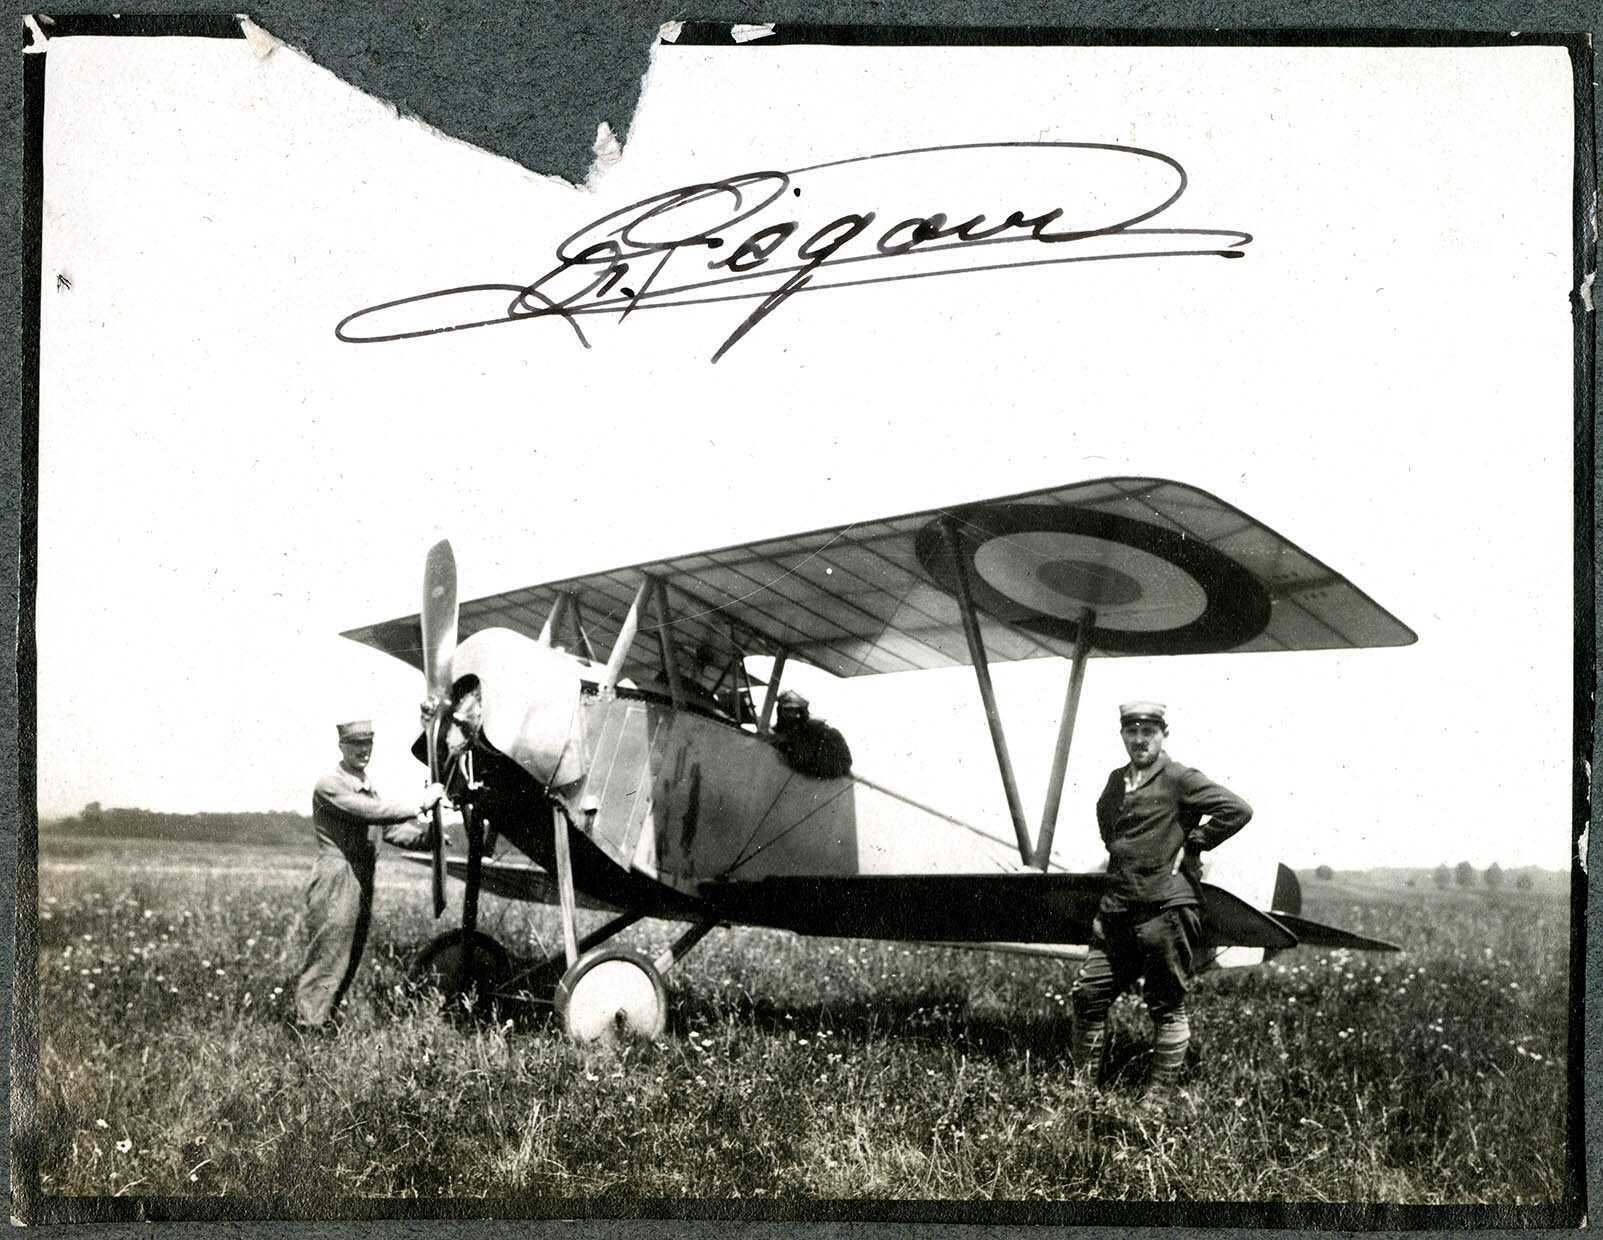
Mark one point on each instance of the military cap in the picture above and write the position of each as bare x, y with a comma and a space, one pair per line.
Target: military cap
793, 700
1157, 712
356, 730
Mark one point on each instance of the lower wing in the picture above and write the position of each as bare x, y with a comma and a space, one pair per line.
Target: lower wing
964, 908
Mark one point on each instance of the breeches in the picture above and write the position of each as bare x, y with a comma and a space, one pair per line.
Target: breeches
339, 909
1157, 949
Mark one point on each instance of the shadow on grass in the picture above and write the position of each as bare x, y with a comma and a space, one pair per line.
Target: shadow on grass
933, 1019
941, 1019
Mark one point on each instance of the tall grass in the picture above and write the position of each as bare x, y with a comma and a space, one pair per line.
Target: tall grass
792, 1069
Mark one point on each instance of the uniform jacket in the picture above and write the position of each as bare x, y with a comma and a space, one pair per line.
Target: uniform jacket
346, 810
1146, 828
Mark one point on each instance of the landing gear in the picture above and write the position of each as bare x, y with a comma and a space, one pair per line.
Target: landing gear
602, 992
612, 995
463, 962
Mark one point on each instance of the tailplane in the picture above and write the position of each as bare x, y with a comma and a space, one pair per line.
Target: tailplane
1283, 898
1286, 908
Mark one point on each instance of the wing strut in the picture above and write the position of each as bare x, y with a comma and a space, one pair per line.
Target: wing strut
771, 696
553, 618
1060, 756
982, 673
665, 642
576, 619
626, 636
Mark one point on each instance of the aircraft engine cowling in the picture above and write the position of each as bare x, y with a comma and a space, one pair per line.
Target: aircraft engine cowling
530, 695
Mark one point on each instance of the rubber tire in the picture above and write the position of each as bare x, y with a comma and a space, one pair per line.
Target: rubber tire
437, 965
636, 1009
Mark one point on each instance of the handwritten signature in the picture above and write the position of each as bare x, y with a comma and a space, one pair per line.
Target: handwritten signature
656, 254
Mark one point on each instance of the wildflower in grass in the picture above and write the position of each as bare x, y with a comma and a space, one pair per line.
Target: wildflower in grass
101, 1124
124, 1146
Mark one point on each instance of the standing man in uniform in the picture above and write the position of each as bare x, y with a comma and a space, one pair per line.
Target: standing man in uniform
347, 813
1148, 925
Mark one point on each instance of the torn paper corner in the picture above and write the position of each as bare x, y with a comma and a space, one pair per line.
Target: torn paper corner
752, 32
608, 146
262, 43
36, 40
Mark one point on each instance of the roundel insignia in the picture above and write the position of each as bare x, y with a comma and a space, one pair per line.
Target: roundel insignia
1153, 590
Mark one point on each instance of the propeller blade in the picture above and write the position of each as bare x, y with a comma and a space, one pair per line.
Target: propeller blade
438, 618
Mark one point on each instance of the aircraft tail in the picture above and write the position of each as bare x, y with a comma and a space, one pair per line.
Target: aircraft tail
1282, 897
1288, 891
1287, 910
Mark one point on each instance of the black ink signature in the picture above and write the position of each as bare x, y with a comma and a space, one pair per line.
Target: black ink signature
619, 263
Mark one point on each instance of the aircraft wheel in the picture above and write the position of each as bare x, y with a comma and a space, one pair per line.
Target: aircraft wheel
440, 965
612, 994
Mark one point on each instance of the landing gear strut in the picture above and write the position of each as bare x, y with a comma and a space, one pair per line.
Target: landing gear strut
602, 991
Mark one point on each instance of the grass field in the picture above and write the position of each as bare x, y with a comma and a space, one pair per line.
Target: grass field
792, 1069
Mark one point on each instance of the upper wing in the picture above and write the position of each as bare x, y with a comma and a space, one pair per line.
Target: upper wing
1004, 908
1166, 568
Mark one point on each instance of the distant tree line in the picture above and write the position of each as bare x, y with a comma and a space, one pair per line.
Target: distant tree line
242, 827
1463, 874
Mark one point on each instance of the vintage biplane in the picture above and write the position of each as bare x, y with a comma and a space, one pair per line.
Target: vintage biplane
608, 729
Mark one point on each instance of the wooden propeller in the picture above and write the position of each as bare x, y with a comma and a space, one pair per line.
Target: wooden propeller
439, 643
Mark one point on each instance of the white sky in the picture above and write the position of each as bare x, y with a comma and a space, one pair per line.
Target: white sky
1385, 379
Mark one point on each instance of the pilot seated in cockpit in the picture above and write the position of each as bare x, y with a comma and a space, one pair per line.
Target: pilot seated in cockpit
810, 746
